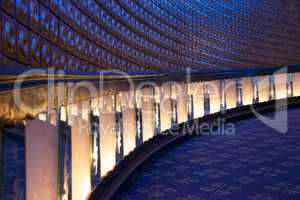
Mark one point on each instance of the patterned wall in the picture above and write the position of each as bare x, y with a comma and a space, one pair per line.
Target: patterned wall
149, 35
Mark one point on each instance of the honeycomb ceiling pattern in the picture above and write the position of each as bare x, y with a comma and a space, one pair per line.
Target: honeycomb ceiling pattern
150, 35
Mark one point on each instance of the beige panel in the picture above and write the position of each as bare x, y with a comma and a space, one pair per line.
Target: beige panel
247, 91
81, 154
230, 93
215, 98
182, 102
296, 84
280, 86
107, 123
165, 108
41, 140
197, 92
129, 130
148, 114
263, 88
129, 122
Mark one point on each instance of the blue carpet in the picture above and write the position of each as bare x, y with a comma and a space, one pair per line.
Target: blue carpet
257, 163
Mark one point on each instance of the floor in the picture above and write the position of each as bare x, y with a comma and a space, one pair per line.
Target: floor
257, 163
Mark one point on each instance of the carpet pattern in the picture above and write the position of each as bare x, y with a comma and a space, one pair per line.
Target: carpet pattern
257, 163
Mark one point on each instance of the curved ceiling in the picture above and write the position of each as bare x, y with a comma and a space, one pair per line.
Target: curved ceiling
150, 35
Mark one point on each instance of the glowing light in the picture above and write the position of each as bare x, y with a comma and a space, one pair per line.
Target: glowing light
63, 113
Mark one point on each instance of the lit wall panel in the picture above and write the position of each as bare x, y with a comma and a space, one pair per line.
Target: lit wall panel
197, 91
41, 160
81, 153
107, 123
148, 113
296, 84
230, 93
263, 88
247, 91
280, 85
182, 102
129, 122
215, 98
165, 107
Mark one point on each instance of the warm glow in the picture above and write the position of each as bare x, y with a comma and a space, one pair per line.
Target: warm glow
214, 91
230, 93
63, 113
43, 116
165, 108
129, 125
296, 84
197, 91
182, 103
81, 158
263, 88
41, 160
280, 86
107, 142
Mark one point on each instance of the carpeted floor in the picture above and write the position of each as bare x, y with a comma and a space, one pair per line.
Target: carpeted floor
257, 163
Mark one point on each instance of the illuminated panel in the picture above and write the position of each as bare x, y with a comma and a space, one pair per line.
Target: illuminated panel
53, 117
197, 91
263, 88
247, 91
182, 102
148, 113
230, 93
165, 107
129, 122
81, 152
214, 93
41, 160
107, 134
296, 84
280, 86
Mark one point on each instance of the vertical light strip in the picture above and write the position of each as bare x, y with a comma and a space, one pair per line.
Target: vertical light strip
214, 96
247, 91
129, 121
263, 88
107, 122
198, 94
182, 102
296, 84
41, 160
280, 85
148, 113
81, 154
166, 107
230, 93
